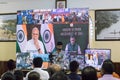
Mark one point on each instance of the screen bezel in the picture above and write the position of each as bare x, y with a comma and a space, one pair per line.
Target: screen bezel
97, 49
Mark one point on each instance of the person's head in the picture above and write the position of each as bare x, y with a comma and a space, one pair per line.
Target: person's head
60, 5
18, 12
89, 73
8, 76
74, 65
91, 57
35, 33
18, 75
54, 68
11, 64
59, 76
37, 62
107, 67
72, 39
59, 45
34, 76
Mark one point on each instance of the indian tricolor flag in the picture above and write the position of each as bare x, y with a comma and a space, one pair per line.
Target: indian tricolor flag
47, 35
21, 37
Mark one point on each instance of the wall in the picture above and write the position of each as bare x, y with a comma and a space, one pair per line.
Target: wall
7, 49
94, 4
9, 6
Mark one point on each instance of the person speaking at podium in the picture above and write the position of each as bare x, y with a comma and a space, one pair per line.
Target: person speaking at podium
72, 46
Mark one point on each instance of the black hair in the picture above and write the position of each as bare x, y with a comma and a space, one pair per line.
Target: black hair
37, 62
8, 76
74, 65
108, 67
51, 71
18, 75
59, 76
34, 76
11, 64
59, 43
89, 73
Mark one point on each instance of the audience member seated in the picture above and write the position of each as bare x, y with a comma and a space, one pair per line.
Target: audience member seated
34, 76
7, 76
74, 65
37, 64
54, 68
107, 71
11, 66
89, 73
18, 75
59, 76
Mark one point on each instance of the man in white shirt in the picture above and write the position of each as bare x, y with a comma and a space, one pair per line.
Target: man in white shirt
34, 45
37, 64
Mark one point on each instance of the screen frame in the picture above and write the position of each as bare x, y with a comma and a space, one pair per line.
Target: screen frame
6, 30
98, 49
62, 1
96, 30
